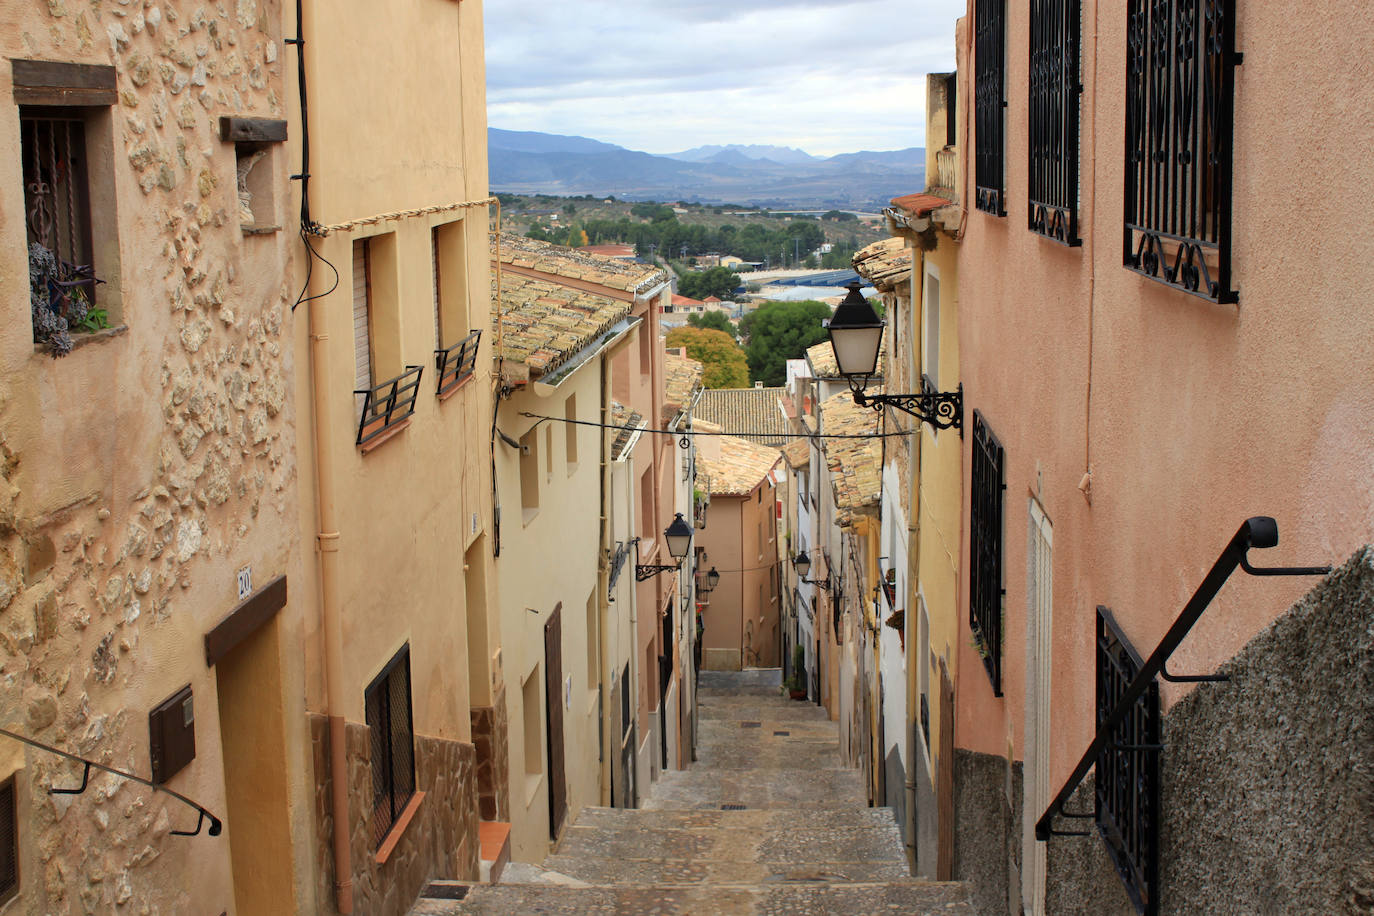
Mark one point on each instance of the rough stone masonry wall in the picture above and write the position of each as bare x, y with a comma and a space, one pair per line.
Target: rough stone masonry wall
489, 736
441, 842
1268, 779
987, 830
81, 587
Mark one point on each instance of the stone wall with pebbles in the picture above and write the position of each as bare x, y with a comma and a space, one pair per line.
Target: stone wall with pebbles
138, 472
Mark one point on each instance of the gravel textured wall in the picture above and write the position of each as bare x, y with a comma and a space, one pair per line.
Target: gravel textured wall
987, 828
1269, 779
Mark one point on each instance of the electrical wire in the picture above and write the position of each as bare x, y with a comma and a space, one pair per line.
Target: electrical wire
701, 432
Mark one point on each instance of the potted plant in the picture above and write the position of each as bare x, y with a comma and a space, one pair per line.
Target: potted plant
60, 300
796, 684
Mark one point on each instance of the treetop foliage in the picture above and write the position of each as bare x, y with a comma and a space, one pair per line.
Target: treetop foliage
716, 320
720, 282
779, 331
724, 361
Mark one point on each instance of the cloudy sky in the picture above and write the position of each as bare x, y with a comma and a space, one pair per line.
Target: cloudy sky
828, 76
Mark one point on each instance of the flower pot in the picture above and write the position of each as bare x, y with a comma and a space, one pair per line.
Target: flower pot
797, 694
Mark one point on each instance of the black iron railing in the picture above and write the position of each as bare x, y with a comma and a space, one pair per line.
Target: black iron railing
989, 105
1180, 88
1053, 144
1114, 732
456, 364
388, 404
985, 549
1126, 799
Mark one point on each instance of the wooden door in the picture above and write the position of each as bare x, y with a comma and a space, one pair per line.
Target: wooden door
944, 868
553, 701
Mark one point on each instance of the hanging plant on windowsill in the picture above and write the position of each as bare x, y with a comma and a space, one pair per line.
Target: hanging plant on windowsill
60, 300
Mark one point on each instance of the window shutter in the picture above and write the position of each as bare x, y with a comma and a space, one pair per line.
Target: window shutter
362, 344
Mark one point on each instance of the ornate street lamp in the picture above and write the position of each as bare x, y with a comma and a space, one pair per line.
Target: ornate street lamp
712, 580
802, 563
856, 334
679, 538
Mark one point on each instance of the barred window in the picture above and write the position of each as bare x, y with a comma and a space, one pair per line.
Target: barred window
1180, 82
989, 102
9, 842
1053, 143
393, 743
1126, 802
985, 549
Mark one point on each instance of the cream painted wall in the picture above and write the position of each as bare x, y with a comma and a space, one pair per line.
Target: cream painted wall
548, 560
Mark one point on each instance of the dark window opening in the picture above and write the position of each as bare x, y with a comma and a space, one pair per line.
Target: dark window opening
1054, 111
57, 220
393, 745
1180, 85
9, 842
1126, 794
985, 549
989, 73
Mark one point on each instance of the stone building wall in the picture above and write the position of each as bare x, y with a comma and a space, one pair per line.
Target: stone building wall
490, 727
441, 842
137, 472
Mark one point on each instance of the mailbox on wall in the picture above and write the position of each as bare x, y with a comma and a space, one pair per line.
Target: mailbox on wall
172, 734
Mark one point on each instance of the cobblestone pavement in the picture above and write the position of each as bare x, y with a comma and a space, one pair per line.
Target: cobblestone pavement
767, 821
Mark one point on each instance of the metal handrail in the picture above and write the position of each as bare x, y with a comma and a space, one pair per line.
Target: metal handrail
216, 825
1260, 531
387, 404
456, 363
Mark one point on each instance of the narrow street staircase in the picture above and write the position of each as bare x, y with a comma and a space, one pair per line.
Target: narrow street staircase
768, 820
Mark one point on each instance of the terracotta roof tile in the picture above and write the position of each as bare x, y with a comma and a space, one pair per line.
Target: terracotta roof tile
797, 452
681, 380
577, 264
920, 204
885, 263
740, 466
747, 410
629, 421
542, 324
855, 464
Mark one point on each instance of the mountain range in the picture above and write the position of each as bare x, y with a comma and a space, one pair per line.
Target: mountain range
530, 162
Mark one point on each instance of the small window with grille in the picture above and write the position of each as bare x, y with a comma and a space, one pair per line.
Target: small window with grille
393, 745
1052, 147
989, 105
985, 549
9, 842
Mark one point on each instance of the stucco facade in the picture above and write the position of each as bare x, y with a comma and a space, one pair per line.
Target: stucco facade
397, 507
1142, 425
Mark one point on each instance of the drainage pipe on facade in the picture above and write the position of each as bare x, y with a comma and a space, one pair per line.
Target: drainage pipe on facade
603, 597
913, 553
327, 533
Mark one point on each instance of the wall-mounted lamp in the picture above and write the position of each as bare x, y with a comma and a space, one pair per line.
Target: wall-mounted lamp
856, 334
802, 563
679, 538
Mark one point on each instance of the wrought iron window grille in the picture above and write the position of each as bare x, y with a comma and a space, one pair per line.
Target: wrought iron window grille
1126, 791
1055, 87
989, 105
1180, 102
1111, 737
456, 364
985, 549
388, 404
388, 712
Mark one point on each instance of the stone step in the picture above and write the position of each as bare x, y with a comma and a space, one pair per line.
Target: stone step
907, 897
756, 711
676, 870
799, 788
759, 820
798, 841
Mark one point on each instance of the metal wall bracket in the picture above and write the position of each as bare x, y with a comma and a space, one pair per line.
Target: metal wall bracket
941, 409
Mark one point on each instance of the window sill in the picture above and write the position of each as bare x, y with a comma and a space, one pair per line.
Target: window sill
393, 836
384, 437
462, 383
82, 338
258, 230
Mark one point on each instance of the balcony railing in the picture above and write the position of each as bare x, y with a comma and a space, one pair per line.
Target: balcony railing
1121, 731
389, 404
455, 365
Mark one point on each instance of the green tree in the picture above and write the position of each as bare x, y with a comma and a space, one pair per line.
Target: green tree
716, 320
720, 282
779, 331
717, 351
